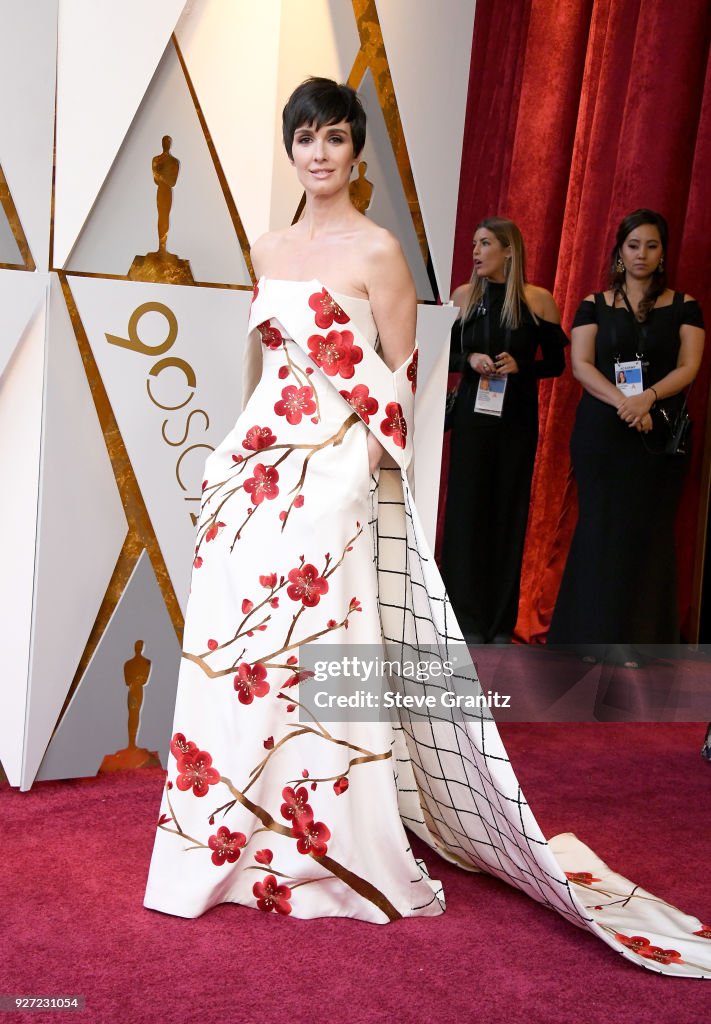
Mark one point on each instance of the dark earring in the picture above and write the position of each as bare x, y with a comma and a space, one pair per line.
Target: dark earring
660, 265
619, 266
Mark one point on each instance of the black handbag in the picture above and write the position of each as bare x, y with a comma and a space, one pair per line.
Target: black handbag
672, 424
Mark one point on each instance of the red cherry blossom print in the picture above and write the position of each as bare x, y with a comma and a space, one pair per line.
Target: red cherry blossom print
306, 585
292, 659
164, 819
247, 606
643, 947
331, 624
304, 773
312, 837
269, 743
169, 784
412, 371
274, 602
335, 353
271, 337
283, 372
340, 785
264, 856
238, 458
327, 310
705, 931
263, 484
581, 877
258, 438
355, 605
297, 677
360, 400
314, 786
295, 403
212, 645
213, 531
179, 746
395, 426
271, 896
226, 846
291, 707
251, 682
204, 484
198, 562
298, 501
268, 580
195, 772
296, 805
255, 293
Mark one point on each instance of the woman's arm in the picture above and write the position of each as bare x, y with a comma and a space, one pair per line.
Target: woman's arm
393, 298
583, 364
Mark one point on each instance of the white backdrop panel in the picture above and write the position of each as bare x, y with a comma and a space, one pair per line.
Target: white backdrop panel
20, 296
168, 447
420, 34
123, 222
28, 47
106, 57
95, 722
9, 250
81, 528
231, 48
21, 389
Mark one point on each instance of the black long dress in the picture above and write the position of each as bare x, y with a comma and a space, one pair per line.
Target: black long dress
619, 585
491, 466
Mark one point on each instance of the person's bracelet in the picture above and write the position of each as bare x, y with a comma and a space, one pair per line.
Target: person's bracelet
656, 396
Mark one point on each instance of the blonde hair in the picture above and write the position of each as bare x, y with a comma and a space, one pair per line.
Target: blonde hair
510, 238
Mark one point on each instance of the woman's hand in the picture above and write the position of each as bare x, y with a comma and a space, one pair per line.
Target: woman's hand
644, 425
633, 407
505, 364
481, 363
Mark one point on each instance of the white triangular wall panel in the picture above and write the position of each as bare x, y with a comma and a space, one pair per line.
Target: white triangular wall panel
168, 448
95, 722
28, 49
428, 47
317, 37
21, 389
81, 529
107, 54
389, 206
10, 253
231, 52
123, 222
20, 295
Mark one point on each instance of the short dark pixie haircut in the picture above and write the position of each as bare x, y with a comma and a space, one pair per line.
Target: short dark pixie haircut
320, 101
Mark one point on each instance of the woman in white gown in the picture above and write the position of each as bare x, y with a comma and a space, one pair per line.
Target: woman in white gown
308, 535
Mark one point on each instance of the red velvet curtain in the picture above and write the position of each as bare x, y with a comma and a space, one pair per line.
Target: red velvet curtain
578, 112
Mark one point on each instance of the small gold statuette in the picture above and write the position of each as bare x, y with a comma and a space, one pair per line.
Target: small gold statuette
135, 673
163, 266
361, 190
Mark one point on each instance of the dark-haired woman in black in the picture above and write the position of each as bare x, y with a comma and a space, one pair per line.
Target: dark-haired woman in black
619, 585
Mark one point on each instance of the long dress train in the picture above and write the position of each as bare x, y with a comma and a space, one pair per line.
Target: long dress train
270, 807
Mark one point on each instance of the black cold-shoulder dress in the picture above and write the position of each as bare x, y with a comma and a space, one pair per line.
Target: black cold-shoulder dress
491, 467
619, 584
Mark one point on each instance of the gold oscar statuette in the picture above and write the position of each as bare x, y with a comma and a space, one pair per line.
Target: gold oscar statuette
135, 673
163, 266
361, 190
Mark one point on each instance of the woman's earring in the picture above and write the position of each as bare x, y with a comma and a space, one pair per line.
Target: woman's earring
619, 266
660, 265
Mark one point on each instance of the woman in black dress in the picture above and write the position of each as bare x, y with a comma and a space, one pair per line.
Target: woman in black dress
503, 324
619, 585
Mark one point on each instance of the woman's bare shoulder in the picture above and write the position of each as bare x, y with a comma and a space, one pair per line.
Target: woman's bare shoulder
265, 246
541, 302
460, 295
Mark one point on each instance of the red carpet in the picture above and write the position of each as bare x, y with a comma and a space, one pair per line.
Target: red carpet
75, 861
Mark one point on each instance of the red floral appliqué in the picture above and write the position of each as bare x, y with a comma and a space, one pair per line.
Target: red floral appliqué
226, 846
258, 438
306, 585
268, 581
336, 353
271, 337
179, 746
213, 531
395, 426
295, 403
360, 400
296, 805
271, 896
412, 371
263, 484
312, 836
195, 772
581, 877
642, 946
251, 682
327, 309
705, 931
